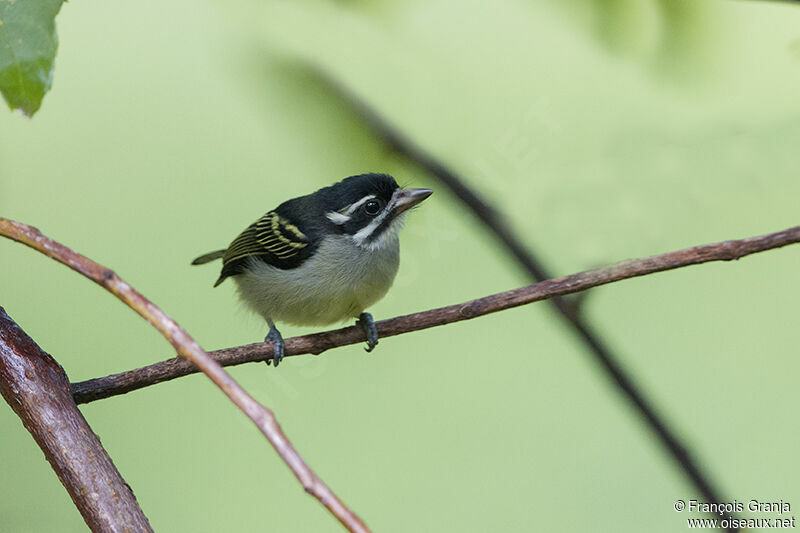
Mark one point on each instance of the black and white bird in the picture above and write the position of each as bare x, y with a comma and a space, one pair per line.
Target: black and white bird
321, 258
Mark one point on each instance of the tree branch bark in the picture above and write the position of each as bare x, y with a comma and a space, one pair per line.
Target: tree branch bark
99, 388
37, 389
188, 348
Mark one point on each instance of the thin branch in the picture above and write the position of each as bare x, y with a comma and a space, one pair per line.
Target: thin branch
569, 310
96, 389
37, 389
187, 347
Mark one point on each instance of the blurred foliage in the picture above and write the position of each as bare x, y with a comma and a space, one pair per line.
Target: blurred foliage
28, 46
666, 34
597, 148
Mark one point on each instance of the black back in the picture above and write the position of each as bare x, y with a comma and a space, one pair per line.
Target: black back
306, 215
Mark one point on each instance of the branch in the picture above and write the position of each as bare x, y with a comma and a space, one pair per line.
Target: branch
99, 388
37, 389
187, 347
569, 310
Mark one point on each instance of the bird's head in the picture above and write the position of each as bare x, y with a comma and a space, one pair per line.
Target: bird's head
370, 208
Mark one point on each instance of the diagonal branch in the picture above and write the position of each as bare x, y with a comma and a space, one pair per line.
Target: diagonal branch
569, 310
99, 388
188, 348
37, 389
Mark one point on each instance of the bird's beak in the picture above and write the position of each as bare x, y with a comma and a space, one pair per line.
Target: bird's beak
408, 198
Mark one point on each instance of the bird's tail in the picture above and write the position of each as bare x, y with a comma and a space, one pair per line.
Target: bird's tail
207, 258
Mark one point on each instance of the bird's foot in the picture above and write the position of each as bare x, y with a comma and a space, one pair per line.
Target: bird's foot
278, 347
366, 323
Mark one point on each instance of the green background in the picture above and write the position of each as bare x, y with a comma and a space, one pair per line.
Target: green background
604, 130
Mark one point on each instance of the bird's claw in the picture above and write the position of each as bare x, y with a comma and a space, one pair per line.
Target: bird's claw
366, 323
278, 347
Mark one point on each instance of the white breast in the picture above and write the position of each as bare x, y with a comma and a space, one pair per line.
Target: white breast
339, 282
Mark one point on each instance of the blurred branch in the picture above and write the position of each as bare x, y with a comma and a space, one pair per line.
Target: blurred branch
481, 209
37, 389
568, 310
187, 347
105, 387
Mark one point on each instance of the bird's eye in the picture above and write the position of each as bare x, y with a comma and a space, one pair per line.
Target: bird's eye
372, 208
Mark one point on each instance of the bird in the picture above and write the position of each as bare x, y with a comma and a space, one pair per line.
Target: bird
321, 258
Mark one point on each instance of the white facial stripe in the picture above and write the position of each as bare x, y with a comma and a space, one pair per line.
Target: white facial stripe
343, 215
352, 207
337, 218
388, 235
364, 233
367, 230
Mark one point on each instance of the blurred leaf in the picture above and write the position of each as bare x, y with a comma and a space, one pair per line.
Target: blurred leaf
28, 46
677, 38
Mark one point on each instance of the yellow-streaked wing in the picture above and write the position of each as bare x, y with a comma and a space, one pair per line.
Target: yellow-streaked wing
279, 236
272, 237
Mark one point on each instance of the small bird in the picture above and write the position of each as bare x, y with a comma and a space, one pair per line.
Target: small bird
321, 258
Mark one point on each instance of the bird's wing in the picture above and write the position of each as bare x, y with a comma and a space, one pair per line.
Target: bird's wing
272, 238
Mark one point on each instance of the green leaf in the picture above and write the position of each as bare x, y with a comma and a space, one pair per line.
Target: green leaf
28, 46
